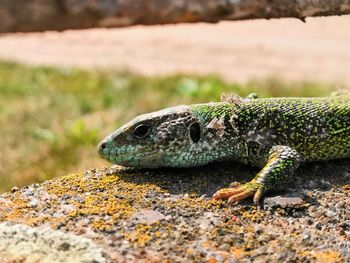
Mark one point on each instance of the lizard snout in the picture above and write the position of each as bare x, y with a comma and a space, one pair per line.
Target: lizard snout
101, 146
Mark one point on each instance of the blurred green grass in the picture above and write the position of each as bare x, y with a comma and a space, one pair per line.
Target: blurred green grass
51, 119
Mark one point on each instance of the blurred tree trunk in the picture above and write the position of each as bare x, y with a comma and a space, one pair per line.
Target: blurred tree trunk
41, 15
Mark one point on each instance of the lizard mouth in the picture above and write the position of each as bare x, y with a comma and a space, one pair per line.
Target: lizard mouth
145, 160
151, 160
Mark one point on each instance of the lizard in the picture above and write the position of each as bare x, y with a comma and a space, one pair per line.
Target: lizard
275, 134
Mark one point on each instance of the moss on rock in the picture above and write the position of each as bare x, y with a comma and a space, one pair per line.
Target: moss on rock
168, 215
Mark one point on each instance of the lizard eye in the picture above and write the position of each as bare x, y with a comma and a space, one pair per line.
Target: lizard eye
195, 132
141, 131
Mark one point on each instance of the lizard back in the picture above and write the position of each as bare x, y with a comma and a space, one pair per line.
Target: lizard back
318, 128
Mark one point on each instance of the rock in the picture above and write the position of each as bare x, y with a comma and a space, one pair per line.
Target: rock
284, 202
125, 215
34, 203
44, 245
43, 15
148, 217
14, 189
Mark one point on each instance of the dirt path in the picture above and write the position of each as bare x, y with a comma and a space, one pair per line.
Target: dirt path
317, 50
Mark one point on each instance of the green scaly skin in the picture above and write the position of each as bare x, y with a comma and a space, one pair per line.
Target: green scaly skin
276, 134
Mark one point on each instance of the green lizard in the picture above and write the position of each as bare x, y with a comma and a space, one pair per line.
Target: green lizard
276, 134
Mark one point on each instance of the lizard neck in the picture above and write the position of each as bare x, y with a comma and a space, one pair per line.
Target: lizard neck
220, 136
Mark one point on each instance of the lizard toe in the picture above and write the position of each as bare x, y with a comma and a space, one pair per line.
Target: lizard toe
257, 196
240, 196
224, 193
238, 192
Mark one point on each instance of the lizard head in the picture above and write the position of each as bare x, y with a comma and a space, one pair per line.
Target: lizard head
174, 137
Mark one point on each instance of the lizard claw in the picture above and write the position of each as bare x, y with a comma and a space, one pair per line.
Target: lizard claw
257, 196
238, 192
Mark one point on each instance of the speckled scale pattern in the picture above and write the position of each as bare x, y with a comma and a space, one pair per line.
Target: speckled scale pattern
280, 133
276, 134
318, 128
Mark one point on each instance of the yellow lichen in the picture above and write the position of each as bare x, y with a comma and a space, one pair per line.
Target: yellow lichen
104, 195
252, 214
323, 256
140, 236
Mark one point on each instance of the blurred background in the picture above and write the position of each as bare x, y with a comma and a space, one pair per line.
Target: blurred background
60, 93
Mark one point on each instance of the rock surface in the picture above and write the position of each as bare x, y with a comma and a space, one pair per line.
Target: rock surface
125, 215
42, 244
41, 15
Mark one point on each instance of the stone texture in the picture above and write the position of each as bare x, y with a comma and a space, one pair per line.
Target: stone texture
20, 243
40, 15
128, 215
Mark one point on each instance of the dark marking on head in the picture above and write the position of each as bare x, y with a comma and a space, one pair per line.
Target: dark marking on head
195, 132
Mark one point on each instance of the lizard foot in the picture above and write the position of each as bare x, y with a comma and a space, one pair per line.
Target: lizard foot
237, 192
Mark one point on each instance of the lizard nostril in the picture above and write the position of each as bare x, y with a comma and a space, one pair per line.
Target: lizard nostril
103, 145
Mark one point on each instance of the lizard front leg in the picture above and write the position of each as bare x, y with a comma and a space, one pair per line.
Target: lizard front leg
281, 163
